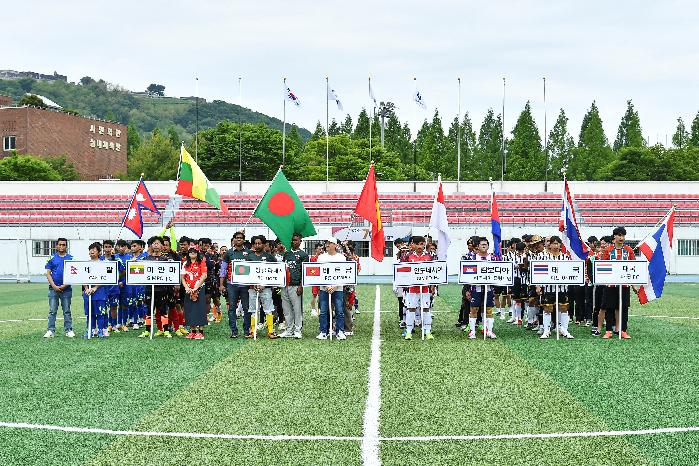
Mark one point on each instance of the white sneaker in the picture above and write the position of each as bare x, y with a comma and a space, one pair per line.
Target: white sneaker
503, 316
464, 328
314, 312
282, 326
286, 334
297, 335
545, 335
349, 334
135, 327
322, 336
70, 334
49, 334
471, 335
511, 320
567, 335
341, 336
491, 335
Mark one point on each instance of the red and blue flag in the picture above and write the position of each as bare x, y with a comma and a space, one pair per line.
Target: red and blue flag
657, 249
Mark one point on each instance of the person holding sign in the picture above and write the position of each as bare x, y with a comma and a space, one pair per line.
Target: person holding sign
331, 292
58, 291
418, 296
163, 296
235, 293
610, 297
548, 293
259, 294
292, 293
99, 300
477, 295
194, 273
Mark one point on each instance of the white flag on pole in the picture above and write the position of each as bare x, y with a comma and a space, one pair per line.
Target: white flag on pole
291, 97
332, 95
419, 99
439, 221
371, 93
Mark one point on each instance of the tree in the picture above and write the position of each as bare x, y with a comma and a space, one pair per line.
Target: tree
640, 163
525, 159
488, 156
468, 146
26, 168
156, 89
629, 133
593, 152
346, 126
319, 132
133, 141
362, 129
174, 137
334, 129
86, 81
32, 100
560, 147
433, 154
694, 135
681, 137
65, 169
156, 158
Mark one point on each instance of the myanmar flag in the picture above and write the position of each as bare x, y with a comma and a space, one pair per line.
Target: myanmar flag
193, 183
282, 211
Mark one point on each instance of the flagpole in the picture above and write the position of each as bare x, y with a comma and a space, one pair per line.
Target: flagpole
546, 145
370, 120
502, 144
284, 128
327, 137
133, 197
414, 140
240, 136
458, 142
196, 134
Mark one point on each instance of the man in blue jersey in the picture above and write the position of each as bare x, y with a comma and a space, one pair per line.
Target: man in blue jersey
58, 291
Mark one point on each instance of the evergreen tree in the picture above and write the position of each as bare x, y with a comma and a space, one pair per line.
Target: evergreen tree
133, 141
525, 159
396, 138
468, 146
681, 137
629, 133
694, 134
432, 149
560, 147
593, 151
488, 157
319, 132
362, 129
346, 126
334, 129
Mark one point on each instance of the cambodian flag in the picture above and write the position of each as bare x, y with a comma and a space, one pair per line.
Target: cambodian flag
568, 226
657, 249
495, 226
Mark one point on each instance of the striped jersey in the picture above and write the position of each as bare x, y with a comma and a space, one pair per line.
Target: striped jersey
547, 256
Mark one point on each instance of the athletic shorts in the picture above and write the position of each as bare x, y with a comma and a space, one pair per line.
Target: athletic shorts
610, 298
99, 307
112, 300
415, 300
477, 299
550, 298
518, 290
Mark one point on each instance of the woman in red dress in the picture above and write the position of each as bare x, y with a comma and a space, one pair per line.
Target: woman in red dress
194, 274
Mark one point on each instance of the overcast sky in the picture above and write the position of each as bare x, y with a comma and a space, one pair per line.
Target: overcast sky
608, 51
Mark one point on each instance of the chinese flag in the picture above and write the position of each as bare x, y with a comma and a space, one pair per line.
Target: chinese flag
368, 208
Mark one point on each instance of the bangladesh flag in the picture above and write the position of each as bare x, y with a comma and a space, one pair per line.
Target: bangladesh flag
282, 211
193, 183
242, 270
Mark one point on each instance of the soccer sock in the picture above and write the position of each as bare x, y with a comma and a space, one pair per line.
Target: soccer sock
427, 320
409, 320
253, 323
564, 320
547, 321
517, 310
531, 312
269, 318
489, 324
472, 324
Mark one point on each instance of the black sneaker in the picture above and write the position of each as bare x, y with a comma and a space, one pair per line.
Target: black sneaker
595, 332
459, 324
402, 325
234, 335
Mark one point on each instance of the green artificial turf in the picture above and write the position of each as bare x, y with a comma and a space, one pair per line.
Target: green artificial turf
449, 386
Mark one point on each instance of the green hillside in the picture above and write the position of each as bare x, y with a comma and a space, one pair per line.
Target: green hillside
111, 102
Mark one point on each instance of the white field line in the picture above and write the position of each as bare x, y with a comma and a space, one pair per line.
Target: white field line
313, 438
370, 440
665, 317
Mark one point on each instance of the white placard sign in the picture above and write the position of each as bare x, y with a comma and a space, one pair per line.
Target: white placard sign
153, 272
259, 273
486, 273
557, 272
619, 272
90, 272
420, 273
329, 273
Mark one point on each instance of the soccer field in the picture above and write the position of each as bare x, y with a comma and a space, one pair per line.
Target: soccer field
124, 400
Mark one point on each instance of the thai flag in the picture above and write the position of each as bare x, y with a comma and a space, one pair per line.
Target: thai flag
495, 226
568, 226
604, 268
657, 249
541, 269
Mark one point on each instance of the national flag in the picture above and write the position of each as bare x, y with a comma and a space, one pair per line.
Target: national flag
193, 183
291, 97
604, 268
541, 269
404, 269
371, 93
136, 269
312, 271
368, 208
242, 270
657, 249
438, 220
133, 220
419, 99
470, 269
495, 226
282, 211
332, 95
568, 226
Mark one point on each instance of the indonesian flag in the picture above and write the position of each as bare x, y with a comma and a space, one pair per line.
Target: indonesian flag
657, 249
368, 208
439, 221
133, 220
